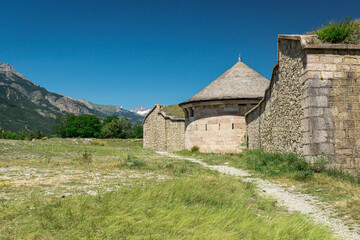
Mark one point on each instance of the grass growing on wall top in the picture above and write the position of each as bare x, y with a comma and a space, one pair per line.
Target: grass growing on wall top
343, 31
173, 110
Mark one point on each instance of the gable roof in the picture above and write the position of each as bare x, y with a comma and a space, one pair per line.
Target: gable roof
168, 112
240, 81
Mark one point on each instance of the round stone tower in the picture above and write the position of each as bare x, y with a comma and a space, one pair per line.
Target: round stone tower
214, 117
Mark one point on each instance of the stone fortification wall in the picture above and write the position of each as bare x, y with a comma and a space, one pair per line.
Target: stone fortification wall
312, 106
275, 124
216, 126
163, 132
332, 105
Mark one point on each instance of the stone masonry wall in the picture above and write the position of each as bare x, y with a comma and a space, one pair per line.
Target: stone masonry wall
217, 126
162, 132
154, 130
175, 134
275, 123
332, 106
327, 105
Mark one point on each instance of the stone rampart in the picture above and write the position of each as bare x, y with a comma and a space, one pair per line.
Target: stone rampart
312, 106
163, 132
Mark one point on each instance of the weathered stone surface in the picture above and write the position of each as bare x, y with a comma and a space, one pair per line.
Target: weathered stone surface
217, 126
325, 79
162, 132
275, 124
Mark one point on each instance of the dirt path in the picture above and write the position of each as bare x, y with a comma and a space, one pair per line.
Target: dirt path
293, 201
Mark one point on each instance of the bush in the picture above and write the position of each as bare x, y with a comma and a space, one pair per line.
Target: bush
134, 162
12, 136
319, 165
86, 157
336, 32
195, 149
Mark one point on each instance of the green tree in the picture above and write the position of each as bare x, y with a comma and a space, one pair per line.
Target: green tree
85, 126
39, 134
24, 135
138, 130
2, 133
116, 128
11, 135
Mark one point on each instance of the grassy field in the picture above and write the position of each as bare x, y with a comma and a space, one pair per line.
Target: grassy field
339, 190
115, 189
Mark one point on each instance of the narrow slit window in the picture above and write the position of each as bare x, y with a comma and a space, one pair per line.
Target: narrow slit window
191, 112
219, 126
205, 127
232, 126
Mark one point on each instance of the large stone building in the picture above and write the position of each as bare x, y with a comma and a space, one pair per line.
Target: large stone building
214, 117
164, 128
312, 106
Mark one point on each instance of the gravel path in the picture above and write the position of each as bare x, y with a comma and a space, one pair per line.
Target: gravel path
293, 201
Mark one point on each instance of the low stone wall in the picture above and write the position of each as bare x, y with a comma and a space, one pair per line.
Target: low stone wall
312, 106
163, 132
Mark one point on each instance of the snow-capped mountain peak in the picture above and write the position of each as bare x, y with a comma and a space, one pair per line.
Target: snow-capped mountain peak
141, 110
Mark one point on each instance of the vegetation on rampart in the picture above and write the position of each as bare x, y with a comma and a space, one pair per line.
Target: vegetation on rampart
344, 31
173, 110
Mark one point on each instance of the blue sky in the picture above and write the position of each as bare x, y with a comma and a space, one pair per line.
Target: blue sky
129, 53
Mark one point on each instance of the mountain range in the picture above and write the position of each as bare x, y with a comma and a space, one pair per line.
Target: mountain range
27, 106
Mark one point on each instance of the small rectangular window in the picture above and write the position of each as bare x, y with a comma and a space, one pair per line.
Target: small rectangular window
219, 126
232, 125
205, 127
191, 112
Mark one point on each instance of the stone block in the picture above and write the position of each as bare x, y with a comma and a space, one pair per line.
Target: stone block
315, 67
326, 148
338, 74
327, 75
320, 123
316, 101
349, 124
311, 91
325, 91
351, 60
337, 59
312, 59
313, 112
318, 136
326, 59
343, 151
330, 67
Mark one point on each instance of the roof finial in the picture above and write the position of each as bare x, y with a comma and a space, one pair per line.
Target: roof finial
239, 57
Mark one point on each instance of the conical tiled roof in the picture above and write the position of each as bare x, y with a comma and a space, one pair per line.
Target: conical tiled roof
240, 81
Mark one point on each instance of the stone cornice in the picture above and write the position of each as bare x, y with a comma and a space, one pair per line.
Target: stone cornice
307, 43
